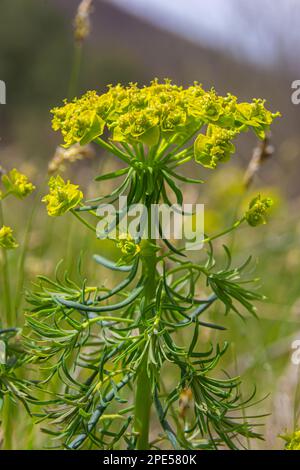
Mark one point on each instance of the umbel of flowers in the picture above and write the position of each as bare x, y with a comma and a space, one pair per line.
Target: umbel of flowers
155, 129
160, 114
101, 341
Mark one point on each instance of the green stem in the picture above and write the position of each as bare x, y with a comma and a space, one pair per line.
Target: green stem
6, 288
143, 396
7, 320
7, 420
181, 162
113, 149
209, 239
22, 258
225, 232
83, 221
178, 156
143, 402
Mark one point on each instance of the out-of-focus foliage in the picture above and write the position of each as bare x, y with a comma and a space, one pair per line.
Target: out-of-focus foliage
34, 58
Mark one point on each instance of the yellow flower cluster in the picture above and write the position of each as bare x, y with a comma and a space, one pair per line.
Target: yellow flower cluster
79, 121
258, 209
128, 247
17, 184
132, 114
214, 147
63, 196
7, 240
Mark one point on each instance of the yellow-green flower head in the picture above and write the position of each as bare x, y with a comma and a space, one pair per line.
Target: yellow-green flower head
214, 147
17, 184
132, 114
7, 240
128, 247
293, 441
258, 210
207, 106
79, 121
63, 196
254, 115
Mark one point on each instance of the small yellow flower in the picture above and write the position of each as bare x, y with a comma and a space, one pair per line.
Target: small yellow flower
258, 209
17, 184
7, 240
63, 196
256, 116
128, 247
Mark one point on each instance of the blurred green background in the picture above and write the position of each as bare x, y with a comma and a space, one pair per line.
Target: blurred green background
136, 41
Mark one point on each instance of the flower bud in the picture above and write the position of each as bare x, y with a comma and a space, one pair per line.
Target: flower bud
258, 209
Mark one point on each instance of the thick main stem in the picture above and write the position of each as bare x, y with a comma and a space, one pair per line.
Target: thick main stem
143, 397
143, 402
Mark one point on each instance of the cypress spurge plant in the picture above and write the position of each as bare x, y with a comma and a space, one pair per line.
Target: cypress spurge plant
109, 346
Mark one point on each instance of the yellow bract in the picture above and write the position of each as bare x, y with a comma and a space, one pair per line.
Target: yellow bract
63, 196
